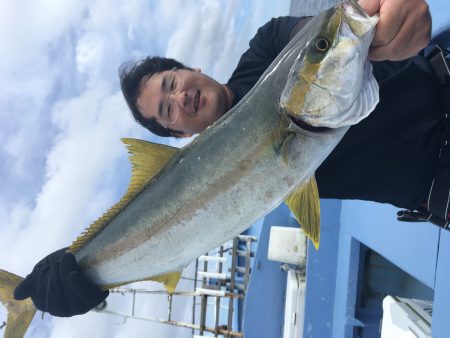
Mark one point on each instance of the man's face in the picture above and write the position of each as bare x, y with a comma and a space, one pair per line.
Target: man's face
183, 100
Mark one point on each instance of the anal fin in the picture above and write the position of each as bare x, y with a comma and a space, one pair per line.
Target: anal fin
169, 280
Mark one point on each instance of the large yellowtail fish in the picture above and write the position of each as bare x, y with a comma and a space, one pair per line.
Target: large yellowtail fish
182, 203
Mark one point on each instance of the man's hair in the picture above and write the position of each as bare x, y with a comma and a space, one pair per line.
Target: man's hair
133, 76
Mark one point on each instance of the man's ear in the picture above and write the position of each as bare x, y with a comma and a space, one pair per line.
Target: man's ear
177, 133
198, 70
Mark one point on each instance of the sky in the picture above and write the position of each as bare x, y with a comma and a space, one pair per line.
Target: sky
62, 116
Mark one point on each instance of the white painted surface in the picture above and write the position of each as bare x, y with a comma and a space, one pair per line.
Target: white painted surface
287, 245
404, 319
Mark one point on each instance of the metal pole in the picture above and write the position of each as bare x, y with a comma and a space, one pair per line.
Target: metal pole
179, 324
233, 274
170, 308
180, 293
247, 262
134, 302
204, 303
193, 297
219, 284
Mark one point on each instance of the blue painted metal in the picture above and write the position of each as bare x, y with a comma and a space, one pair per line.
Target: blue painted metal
264, 302
321, 274
411, 246
333, 271
346, 287
441, 308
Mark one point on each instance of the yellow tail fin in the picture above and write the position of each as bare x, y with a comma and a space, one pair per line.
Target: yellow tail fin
20, 312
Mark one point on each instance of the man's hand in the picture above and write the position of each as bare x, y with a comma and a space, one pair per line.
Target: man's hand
403, 30
56, 286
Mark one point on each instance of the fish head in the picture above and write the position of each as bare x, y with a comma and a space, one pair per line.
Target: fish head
331, 83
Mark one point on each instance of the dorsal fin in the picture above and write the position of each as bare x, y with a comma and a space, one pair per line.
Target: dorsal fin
305, 205
147, 160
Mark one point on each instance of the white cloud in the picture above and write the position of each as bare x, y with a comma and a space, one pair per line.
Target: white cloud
82, 168
26, 30
201, 39
214, 34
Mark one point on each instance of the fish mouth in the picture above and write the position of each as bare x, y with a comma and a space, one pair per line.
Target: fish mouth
357, 19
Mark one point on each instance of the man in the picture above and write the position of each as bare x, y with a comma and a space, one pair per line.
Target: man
389, 157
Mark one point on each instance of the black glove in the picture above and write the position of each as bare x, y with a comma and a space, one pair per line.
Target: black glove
56, 286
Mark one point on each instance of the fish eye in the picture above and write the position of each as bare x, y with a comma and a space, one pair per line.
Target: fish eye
322, 44
318, 48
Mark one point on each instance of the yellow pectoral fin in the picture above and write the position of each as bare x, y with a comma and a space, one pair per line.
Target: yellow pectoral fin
20, 312
147, 160
285, 149
305, 205
169, 280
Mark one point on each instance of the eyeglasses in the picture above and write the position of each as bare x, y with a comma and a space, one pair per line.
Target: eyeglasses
170, 108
